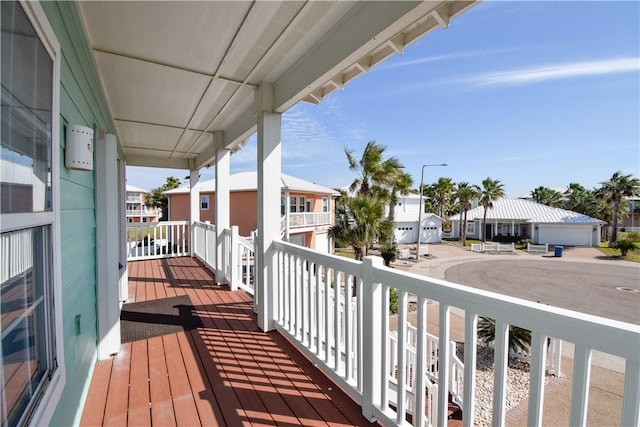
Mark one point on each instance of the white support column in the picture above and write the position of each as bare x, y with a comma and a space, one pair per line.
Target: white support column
222, 202
194, 177
287, 208
107, 242
269, 183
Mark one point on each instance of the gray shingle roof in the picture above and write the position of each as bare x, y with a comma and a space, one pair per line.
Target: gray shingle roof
528, 211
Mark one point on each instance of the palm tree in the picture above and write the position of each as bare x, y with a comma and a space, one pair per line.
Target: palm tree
547, 196
618, 187
465, 193
519, 338
581, 200
359, 222
492, 189
157, 198
400, 187
371, 169
443, 190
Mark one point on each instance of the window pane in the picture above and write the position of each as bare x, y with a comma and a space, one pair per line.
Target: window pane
25, 282
25, 146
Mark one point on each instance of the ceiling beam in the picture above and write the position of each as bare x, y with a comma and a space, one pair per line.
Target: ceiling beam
155, 162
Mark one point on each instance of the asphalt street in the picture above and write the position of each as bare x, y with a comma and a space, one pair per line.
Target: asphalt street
611, 291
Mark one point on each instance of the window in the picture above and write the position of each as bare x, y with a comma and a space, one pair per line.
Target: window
301, 204
325, 204
471, 227
32, 360
293, 204
204, 203
309, 208
281, 205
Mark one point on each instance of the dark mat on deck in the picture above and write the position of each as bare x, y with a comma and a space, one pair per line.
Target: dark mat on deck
147, 319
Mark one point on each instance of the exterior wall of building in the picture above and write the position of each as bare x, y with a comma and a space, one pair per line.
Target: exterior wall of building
244, 205
81, 102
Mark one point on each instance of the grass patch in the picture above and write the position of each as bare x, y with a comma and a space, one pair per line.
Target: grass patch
345, 252
633, 255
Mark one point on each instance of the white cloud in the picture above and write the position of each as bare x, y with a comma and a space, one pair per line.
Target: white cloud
554, 72
443, 57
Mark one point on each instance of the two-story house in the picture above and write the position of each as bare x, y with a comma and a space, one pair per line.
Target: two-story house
405, 223
306, 208
137, 209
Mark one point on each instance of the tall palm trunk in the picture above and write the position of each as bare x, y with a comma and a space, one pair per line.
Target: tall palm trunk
484, 225
615, 208
463, 228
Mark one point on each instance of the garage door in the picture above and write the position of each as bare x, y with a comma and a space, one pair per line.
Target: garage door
405, 232
571, 236
322, 242
430, 234
297, 239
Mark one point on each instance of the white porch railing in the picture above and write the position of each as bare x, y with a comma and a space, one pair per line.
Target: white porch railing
309, 219
236, 266
16, 248
354, 347
147, 240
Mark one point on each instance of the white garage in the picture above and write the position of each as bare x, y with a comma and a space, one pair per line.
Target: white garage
405, 232
570, 235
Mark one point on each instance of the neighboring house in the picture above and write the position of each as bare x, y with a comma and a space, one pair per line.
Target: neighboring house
405, 224
137, 210
307, 209
632, 221
528, 219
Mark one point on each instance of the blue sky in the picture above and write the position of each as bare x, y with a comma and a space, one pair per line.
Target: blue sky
530, 93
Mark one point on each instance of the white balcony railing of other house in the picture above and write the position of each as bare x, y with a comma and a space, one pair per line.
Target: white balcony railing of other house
134, 199
309, 219
148, 240
141, 212
354, 348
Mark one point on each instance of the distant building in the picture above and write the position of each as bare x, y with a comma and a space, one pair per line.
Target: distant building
307, 209
632, 221
405, 221
137, 210
531, 220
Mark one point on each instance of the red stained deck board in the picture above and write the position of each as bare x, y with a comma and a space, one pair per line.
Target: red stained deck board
115, 413
161, 405
139, 398
183, 402
93, 411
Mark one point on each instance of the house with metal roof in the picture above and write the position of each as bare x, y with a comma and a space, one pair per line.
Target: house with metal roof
405, 221
306, 208
530, 220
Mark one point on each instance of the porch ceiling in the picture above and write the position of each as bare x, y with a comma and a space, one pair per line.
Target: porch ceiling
177, 73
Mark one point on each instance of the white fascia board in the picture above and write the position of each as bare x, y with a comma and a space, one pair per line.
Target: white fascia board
367, 26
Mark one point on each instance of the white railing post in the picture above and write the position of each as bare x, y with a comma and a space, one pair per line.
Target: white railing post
235, 259
372, 337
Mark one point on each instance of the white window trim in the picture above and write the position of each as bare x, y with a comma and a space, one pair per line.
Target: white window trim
45, 409
202, 198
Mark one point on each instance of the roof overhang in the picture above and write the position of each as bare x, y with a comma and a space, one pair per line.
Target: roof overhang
180, 78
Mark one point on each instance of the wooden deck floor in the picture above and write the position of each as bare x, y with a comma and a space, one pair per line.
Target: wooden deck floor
226, 373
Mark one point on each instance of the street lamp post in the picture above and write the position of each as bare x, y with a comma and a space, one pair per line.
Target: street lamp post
420, 208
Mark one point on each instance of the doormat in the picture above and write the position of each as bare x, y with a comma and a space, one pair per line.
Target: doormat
148, 319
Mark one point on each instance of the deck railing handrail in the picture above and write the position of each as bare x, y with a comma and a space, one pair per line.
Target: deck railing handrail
358, 363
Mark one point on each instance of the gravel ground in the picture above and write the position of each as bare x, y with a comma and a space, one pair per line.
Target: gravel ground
517, 383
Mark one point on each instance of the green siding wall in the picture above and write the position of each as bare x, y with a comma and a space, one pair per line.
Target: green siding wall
81, 102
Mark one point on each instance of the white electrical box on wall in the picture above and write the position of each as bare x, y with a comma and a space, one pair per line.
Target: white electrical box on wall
79, 148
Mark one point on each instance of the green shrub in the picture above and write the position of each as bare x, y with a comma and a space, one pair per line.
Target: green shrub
519, 338
624, 246
393, 301
634, 236
389, 253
